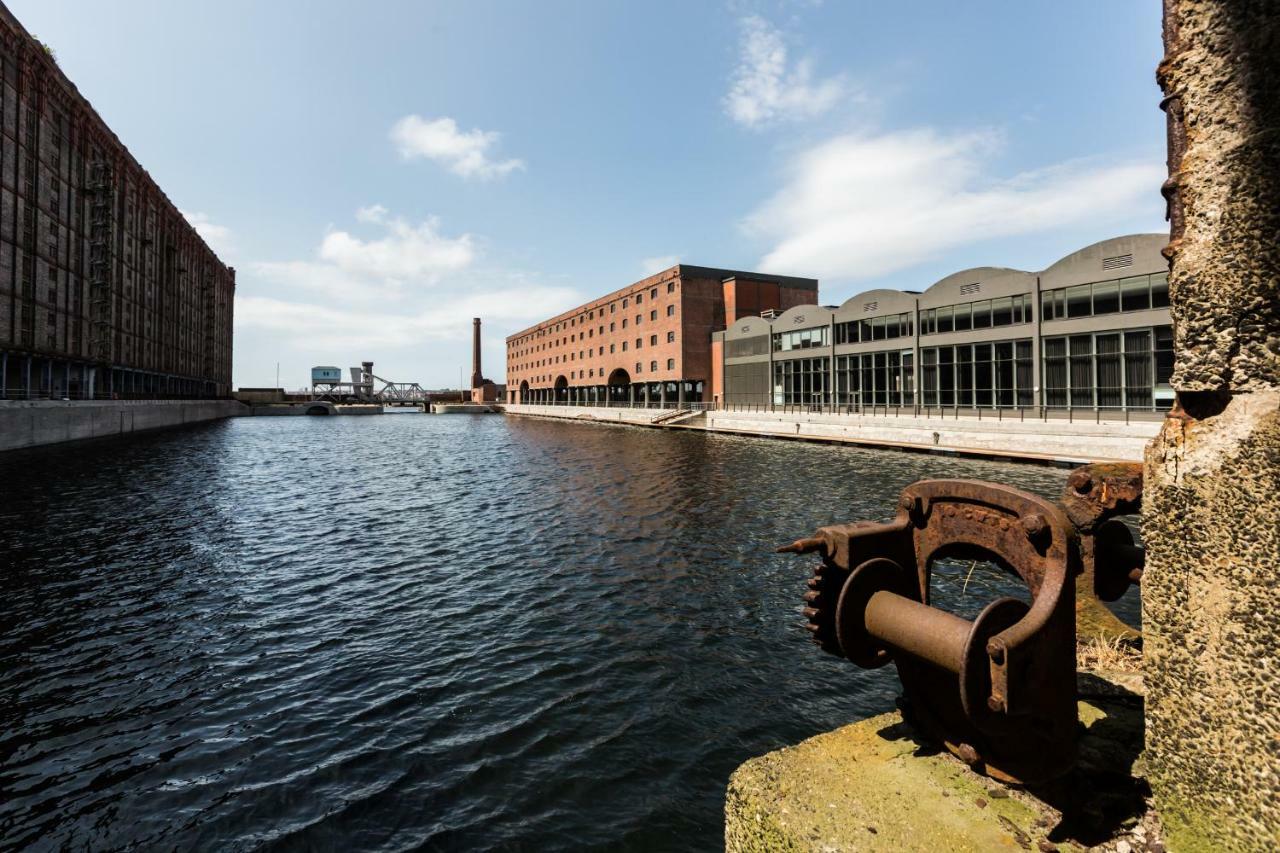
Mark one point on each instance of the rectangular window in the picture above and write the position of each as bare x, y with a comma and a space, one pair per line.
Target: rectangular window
1110, 377
1080, 349
1135, 293
1002, 312
982, 314
942, 316
671, 337
962, 317
1078, 301
1055, 372
1160, 290
1138, 374
1106, 297
671, 310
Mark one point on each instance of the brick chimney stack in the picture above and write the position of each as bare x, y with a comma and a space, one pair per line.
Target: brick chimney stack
477, 377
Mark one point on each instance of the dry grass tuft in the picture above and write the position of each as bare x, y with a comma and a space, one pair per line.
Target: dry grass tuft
1103, 653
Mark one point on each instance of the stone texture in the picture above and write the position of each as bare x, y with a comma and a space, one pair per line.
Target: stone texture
1211, 516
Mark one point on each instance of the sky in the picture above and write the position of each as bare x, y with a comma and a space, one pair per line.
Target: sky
379, 173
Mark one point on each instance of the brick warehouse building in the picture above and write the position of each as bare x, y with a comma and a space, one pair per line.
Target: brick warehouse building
648, 342
105, 289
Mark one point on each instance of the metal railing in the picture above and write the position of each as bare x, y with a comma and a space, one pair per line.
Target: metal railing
1097, 415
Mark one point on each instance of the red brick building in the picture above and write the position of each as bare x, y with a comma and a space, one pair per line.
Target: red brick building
648, 342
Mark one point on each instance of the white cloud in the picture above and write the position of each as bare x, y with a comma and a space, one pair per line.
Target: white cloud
465, 154
336, 328
372, 213
860, 206
657, 264
350, 268
767, 89
217, 236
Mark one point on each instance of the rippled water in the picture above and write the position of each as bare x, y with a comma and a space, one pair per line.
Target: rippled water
447, 632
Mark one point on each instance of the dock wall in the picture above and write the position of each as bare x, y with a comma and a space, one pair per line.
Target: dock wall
32, 423
1053, 440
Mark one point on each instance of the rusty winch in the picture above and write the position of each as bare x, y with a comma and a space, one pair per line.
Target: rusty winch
1000, 691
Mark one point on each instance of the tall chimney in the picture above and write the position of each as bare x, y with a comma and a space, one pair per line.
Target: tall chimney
477, 378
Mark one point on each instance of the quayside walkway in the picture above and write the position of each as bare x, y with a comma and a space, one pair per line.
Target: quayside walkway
1056, 437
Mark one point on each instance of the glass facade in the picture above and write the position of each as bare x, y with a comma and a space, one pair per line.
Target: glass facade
801, 339
1109, 370
1135, 293
876, 379
983, 314
801, 382
986, 375
886, 328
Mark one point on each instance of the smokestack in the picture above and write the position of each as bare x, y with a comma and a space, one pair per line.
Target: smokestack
477, 378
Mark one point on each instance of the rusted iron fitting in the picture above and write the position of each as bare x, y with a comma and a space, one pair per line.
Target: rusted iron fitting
1095, 496
998, 691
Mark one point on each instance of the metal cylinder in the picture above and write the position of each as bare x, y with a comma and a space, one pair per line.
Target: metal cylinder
918, 629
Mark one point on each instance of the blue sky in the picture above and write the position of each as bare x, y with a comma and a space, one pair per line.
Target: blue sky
379, 173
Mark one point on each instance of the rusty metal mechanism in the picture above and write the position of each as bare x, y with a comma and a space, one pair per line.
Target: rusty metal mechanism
999, 692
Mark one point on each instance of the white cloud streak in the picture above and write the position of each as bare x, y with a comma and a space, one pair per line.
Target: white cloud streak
217, 236
861, 206
307, 326
464, 153
406, 256
767, 89
658, 263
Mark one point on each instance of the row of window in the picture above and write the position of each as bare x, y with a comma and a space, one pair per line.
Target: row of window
584, 317
1136, 293
591, 372
801, 339
590, 352
590, 333
1110, 369
1107, 369
885, 328
983, 314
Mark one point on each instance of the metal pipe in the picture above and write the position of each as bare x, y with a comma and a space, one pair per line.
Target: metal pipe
918, 629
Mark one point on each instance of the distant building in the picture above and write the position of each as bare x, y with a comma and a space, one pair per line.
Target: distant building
105, 289
649, 341
1092, 331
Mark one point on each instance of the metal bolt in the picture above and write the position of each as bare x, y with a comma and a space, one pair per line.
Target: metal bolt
1081, 482
1034, 525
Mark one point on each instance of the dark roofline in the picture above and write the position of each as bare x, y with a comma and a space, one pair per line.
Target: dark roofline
722, 274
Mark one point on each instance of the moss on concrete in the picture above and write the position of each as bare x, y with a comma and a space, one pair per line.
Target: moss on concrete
874, 785
860, 787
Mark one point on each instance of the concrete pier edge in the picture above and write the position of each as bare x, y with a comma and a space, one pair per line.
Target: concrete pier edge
37, 423
1124, 442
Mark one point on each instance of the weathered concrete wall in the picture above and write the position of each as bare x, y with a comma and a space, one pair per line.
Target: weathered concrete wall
34, 423
591, 413
1211, 518
1055, 440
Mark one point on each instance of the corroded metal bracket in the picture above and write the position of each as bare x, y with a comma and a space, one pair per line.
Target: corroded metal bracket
1000, 690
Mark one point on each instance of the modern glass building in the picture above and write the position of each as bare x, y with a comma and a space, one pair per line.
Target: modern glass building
1092, 331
